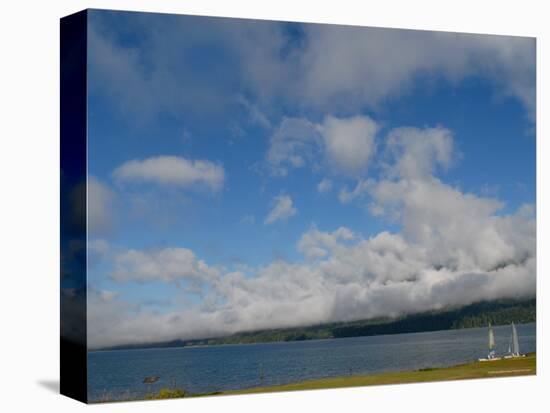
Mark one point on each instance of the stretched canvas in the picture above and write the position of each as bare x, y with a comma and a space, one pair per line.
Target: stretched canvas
255, 206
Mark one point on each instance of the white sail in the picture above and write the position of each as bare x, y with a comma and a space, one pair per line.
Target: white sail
491, 338
515, 341
491, 356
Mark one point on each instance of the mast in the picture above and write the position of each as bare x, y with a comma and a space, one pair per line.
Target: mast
515, 341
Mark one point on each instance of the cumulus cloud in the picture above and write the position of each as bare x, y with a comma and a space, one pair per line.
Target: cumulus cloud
167, 265
318, 244
345, 145
349, 143
100, 207
460, 230
172, 171
361, 189
294, 144
381, 64
324, 186
419, 151
98, 250
283, 208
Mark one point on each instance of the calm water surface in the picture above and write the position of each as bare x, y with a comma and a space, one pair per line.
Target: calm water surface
119, 374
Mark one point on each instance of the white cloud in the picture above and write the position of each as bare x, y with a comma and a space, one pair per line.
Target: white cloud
255, 114
282, 209
374, 65
100, 207
419, 151
347, 277
324, 186
460, 230
167, 265
98, 246
153, 76
107, 295
345, 145
361, 189
376, 210
293, 145
381, 64
349, 143
317, 244
172, 171
98, 250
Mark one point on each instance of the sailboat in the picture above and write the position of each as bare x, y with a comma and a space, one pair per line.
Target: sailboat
513, 345
492, 355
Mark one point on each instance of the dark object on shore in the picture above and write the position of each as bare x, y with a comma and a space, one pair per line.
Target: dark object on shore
151, 379
167, 394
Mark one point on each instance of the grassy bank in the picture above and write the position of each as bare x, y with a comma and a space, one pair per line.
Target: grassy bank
500, 368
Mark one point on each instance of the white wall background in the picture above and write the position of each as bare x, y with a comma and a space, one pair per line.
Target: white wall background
29, 176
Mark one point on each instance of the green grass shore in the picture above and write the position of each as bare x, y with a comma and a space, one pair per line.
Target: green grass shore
500, 368
523, 366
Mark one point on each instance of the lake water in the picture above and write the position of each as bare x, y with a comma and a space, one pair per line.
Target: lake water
119, 374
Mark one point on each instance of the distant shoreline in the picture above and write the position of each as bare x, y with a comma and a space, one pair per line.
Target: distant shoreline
193, 346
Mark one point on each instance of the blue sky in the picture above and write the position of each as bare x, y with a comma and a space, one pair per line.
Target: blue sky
208, 141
